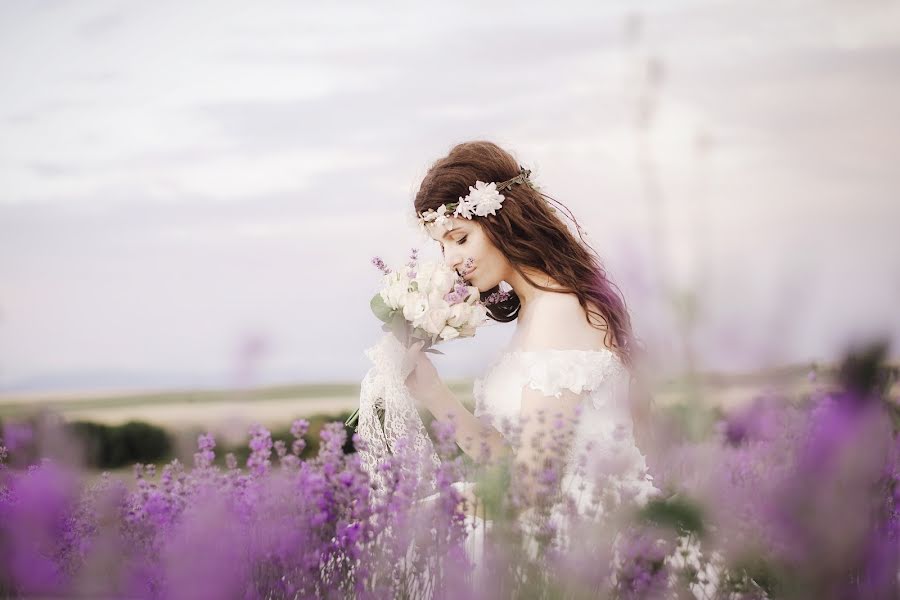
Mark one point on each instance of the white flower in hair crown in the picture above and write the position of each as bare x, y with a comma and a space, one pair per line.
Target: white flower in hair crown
483, 199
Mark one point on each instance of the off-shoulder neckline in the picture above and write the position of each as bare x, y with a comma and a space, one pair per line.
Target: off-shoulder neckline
580, 351
508, 355
602, 351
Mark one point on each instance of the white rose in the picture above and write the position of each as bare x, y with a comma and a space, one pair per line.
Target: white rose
436, 299
403, 298
435, 320
459, 314
448, 333
442, 279
438, 303
389, 279
467, 331
415, 306
395, 295
424, 272
473, 294
479, 312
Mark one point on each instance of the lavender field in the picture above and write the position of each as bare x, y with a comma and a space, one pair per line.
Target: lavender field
783, 496
191, 194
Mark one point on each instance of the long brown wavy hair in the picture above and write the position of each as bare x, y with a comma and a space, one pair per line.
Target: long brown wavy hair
530, 234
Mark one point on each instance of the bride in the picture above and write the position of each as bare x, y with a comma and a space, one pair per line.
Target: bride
572, 354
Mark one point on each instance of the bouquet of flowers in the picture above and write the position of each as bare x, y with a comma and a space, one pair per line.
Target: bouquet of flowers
427, 301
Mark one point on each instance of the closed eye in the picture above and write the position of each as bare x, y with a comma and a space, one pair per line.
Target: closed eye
460, 242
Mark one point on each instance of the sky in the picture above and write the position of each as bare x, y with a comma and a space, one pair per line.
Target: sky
192, 192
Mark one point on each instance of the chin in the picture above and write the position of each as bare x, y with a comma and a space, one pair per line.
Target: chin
479, 283
487, 286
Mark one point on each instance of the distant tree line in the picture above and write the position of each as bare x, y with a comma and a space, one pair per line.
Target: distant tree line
116, 446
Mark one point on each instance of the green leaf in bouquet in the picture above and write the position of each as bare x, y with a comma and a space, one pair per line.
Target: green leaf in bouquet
399, 326
433, 351
381, 309
398, 321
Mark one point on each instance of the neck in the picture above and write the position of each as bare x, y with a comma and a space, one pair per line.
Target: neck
527, 292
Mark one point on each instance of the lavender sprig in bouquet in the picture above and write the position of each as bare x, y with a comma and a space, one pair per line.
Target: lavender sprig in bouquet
426, 301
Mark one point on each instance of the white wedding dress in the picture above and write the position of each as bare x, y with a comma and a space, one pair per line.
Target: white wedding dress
614, 469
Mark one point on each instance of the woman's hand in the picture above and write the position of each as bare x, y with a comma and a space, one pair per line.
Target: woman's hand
423, 382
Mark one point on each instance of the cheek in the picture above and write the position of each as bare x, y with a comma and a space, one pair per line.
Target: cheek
495, 260
482, 247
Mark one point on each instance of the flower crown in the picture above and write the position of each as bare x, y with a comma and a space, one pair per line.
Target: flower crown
483, 199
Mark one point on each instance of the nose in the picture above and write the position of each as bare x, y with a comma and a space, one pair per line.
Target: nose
453, 260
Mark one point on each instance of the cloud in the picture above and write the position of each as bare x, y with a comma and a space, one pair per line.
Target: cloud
199, 176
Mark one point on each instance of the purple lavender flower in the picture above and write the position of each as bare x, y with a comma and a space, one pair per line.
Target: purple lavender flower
298, 429
497, 297
379, 264
757, 421
204, 458
643, 572
17, 435
809, 491
261, 450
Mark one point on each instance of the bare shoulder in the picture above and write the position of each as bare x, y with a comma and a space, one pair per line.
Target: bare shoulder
559, 321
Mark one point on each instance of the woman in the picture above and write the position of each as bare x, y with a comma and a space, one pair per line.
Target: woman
572, 353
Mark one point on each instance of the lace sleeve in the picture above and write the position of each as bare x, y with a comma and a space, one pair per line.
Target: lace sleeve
388, 416
552, 372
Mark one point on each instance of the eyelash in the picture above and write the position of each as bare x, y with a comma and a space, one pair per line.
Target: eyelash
460, 241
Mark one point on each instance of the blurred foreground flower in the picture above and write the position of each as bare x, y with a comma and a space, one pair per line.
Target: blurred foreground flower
793, 499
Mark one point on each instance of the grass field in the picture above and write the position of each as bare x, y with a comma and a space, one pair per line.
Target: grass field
275, 405
227, 414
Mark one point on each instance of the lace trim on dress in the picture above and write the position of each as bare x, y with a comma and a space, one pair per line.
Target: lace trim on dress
551, 371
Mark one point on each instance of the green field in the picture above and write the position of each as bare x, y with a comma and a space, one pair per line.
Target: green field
190, 409
275, 405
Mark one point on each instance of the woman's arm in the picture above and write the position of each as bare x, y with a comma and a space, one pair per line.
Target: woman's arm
547, 421
469, 431
428, 389
546, 434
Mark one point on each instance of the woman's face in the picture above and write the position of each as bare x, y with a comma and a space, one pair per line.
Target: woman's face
468, 240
